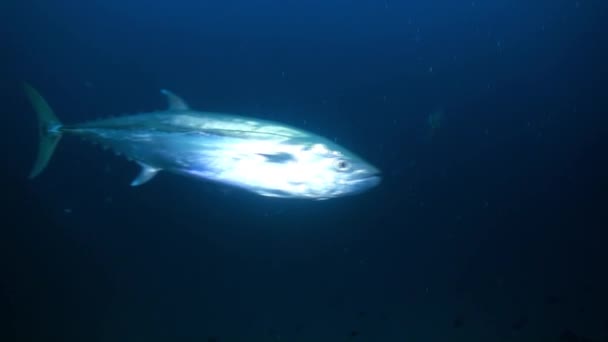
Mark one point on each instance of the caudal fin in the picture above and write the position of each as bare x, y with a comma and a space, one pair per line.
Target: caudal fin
49, 130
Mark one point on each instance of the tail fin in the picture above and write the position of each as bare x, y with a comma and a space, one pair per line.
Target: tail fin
49, 130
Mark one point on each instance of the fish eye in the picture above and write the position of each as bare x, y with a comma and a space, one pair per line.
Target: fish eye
342, 165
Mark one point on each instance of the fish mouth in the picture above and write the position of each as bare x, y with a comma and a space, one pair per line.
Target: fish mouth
372, 180
365, 180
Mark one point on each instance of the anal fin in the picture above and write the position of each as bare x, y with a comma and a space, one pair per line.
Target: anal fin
145, 175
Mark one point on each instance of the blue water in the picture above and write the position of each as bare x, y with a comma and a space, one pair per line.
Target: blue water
487, 119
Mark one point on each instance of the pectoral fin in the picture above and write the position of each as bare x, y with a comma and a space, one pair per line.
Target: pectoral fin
146, 174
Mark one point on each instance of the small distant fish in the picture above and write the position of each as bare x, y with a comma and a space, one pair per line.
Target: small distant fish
354, 333
458, 322
569, 336
520, 323
264, 157
435, 120
552, 300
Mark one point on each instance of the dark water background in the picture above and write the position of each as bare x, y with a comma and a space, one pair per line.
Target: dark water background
490, 227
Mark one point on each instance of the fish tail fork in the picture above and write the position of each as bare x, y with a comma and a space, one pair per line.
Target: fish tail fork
49, 130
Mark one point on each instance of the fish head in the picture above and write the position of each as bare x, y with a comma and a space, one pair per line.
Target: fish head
316, 170
343, 172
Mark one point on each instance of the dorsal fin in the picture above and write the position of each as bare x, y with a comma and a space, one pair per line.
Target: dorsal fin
175, 102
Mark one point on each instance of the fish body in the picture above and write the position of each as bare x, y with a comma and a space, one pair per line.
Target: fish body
264, 157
